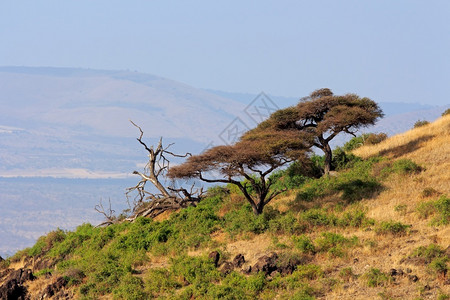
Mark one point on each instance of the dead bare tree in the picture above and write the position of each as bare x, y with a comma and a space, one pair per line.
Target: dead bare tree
169, 197
110, 218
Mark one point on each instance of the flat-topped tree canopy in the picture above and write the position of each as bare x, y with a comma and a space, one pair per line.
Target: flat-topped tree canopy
253, 158
325, 115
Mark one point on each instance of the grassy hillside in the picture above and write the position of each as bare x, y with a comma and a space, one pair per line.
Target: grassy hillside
376, 229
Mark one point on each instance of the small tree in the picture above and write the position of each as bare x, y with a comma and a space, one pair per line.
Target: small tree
253, 158
325, 115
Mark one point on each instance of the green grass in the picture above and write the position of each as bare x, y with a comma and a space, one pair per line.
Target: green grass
392, 227
439, 209
374, 278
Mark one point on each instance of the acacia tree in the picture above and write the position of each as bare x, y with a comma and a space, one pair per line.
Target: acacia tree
325, 115
253, 158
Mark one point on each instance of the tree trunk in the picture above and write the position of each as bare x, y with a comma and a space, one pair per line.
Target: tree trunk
258, 209
328, 159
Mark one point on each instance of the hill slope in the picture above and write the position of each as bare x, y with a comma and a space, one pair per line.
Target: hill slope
378, 228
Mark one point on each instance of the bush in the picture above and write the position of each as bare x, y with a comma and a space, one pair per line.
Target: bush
356, 142
376, 138
375, 278
342, 160
421, 123
405, 166
442, 206
335, 244
161, 282
392, 227
318, 217
355, 218
426, 209
439, 208
308, 272
243, 220
428, 253
304, 244
286, 224
355, 184
446, 112
364, 139
439, 265
131, 288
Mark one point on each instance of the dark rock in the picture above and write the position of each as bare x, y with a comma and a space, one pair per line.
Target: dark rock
5, 272
227, 268
393, 272
427, 287
21, 275
289, 266
247, 270
41, 264
54, 288
239, 260
13, 290
400, 272
266, 264
413, 278
214, 256
355, 260
408, 270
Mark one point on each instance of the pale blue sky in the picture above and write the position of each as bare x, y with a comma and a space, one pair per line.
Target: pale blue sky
387, 50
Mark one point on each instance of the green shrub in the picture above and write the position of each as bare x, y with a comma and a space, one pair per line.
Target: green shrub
304, 244
428, 253
355, 218
352, 185
442, 206
335, 244
308, 272
161, 282
439, 265
130, 288
244, 220
440, 209
375, 278
286, 224
421, 123
342, 160
356, 142
405, 166
45, 243
392, 227
318, 217
446, 112
426, 209
199, 272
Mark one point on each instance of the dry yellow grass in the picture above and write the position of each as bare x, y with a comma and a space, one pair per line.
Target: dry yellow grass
428, 146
